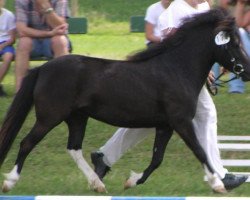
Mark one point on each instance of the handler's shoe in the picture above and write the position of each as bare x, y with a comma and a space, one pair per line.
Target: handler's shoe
232, 181
101, 168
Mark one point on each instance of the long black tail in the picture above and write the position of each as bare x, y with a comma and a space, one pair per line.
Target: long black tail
17, 113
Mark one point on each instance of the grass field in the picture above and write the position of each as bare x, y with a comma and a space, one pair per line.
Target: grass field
49, 170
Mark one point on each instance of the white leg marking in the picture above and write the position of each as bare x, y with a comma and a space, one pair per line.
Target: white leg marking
10, 179
214, 181
131, 182
94, 182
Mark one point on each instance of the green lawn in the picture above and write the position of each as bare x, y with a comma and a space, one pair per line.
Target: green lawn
50, 170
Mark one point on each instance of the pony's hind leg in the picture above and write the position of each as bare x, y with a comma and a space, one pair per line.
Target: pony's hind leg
28, 143
186, 132
77, 124
162, 138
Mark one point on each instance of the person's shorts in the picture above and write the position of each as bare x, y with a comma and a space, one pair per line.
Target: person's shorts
7, 49
42, 48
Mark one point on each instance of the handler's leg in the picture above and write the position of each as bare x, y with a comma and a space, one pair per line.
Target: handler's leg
115, 147
205, 125
121, 141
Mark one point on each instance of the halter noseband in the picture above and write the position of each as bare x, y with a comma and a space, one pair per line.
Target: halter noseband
237, 68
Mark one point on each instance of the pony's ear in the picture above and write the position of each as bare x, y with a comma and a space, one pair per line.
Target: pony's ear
222, 38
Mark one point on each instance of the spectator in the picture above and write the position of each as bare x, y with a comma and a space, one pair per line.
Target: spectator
242, 14
153, 12
42, 29
205, 121
7, 39
224, 3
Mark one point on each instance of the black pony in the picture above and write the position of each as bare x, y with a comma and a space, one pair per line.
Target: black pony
158, 87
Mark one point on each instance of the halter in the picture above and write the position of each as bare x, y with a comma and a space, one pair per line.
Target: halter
237, 70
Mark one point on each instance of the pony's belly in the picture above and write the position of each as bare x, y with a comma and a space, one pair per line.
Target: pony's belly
133, 120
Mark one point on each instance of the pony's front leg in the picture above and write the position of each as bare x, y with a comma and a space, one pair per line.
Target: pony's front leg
161, 140
186, 131
94, 182
10, 179
214, 181
76, 124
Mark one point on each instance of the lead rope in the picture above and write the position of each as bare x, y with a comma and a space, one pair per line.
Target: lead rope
213, 88
237, 69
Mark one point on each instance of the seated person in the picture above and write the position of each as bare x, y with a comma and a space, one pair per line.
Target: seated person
42, 31
7, 38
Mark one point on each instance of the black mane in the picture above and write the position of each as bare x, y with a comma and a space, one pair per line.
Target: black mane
218, 17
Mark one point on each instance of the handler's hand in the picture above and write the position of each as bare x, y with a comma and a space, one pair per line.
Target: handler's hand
224, 70
210, 78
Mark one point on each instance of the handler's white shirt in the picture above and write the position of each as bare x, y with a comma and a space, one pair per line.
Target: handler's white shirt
7, 23
152, 16
173, 16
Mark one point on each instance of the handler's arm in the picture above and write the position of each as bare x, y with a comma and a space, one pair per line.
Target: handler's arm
149, 33
168, 32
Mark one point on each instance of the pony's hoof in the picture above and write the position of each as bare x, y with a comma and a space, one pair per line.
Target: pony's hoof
220, 190
101, 190
98, 186
10, 180
132, 180
129, 184
7, 186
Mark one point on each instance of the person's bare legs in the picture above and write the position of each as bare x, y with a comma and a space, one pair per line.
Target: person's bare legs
59, 45
7, 58
23, 50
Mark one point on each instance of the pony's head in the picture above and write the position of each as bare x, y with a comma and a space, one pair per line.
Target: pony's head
216, 32
229, 51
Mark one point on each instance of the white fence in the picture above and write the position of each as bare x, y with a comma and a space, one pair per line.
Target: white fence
235, 144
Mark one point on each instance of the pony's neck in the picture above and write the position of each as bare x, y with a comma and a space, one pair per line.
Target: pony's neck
201, 59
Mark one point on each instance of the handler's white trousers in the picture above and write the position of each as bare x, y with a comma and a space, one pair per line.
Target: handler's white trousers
205, 126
